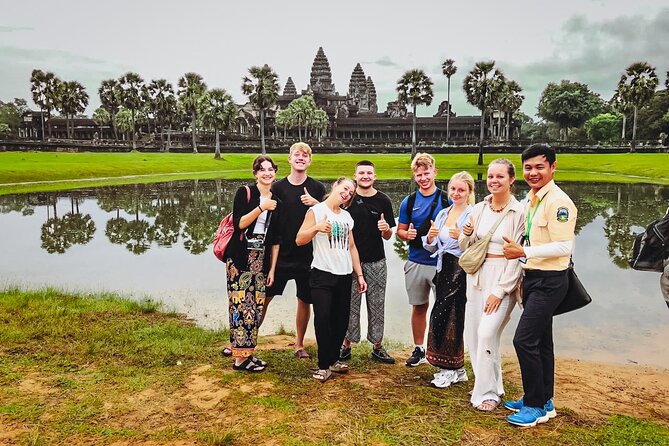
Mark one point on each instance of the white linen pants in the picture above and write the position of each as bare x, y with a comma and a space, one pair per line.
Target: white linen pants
483, 331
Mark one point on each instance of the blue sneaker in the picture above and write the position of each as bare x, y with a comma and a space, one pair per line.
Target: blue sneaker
515, 406
528, 417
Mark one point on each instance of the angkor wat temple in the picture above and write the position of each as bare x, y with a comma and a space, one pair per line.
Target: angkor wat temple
354, 117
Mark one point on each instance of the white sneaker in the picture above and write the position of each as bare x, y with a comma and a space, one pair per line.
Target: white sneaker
461, 376
445, 379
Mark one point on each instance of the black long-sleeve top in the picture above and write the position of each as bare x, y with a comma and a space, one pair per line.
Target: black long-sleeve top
237, 250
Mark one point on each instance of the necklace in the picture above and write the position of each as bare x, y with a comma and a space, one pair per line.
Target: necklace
497, 211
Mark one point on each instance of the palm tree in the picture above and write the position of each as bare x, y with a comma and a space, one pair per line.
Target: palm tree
160, 101
498, 88
101, 117
320, 121
109, 100
637, 86
44, 87
511, 101
622, 107
191, 89
262, 88
414, 88
448, 69
129, 95
477, 85
123, 121
217, 114
40, 84
284, 118
72, 99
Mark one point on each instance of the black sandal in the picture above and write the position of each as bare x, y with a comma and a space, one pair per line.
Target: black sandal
258, 361
248, 366
226, 351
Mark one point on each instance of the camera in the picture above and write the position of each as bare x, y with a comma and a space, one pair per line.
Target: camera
256, 243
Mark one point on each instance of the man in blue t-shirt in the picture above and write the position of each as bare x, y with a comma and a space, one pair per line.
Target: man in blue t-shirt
416, 212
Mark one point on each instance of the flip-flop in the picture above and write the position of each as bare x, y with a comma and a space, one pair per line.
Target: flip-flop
302, 354
248, 366
226, 351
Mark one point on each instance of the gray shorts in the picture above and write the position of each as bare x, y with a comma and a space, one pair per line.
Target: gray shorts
419, 280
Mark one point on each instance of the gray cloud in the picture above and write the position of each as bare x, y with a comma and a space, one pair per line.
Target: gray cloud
16, 65
596, 53
11, 29
385, 61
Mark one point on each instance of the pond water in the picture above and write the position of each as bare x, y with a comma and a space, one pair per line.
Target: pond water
154, 241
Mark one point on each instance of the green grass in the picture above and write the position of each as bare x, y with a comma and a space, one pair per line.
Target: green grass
102, 369
75, 170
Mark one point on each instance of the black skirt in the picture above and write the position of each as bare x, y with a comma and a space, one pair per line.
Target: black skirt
445, 341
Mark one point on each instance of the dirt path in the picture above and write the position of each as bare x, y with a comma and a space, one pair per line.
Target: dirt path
591, 391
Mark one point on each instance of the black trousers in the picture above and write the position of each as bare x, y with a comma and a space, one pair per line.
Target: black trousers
331, 298
543, 291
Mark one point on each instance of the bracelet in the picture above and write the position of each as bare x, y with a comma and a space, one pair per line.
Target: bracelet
260, 209
360, 275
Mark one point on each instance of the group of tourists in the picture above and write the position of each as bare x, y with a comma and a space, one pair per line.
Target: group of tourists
478, 259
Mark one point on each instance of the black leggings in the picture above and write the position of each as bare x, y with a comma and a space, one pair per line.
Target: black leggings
331, 297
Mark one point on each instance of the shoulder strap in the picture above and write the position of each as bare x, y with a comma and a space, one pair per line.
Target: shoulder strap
410, 203
438, 196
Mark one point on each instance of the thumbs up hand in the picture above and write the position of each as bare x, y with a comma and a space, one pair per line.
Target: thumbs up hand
454, 232
269, 205
411, 232
468, 229
307, 199
433, 232
382, 224
324, 226
512, 250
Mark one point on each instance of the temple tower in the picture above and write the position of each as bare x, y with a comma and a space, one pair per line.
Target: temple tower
289, 89
371, 94
357, 89
321, 76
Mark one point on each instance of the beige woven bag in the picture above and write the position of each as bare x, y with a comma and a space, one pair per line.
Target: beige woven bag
474, 256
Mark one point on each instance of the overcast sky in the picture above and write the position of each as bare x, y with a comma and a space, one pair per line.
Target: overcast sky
532, 41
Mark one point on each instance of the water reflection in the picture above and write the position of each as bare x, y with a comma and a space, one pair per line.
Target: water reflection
156, 240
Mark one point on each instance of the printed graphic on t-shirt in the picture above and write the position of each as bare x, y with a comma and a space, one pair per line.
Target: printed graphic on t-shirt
339, 235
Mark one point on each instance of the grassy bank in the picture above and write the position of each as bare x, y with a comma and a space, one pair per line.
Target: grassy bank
69, 169
100, 370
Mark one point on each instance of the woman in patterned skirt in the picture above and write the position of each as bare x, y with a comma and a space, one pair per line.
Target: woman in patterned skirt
250, 261
445, 344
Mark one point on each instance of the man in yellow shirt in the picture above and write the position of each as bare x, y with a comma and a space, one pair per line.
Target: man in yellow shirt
549, 240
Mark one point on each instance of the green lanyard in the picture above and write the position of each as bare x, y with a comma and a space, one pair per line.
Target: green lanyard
529, 220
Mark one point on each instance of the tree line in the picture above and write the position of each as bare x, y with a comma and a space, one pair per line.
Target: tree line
567, 109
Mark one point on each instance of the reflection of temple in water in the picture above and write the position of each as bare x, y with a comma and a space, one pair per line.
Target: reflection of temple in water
354, 118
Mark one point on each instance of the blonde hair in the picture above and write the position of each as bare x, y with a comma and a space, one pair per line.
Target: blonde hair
465, 177
422, 160
300, 147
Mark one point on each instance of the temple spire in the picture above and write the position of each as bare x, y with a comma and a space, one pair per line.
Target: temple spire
371, 94
321, 76
289, 89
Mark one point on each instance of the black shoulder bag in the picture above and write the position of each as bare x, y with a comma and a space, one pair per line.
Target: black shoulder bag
577, 296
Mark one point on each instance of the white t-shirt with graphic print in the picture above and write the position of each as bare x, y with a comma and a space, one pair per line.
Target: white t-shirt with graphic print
331, 251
